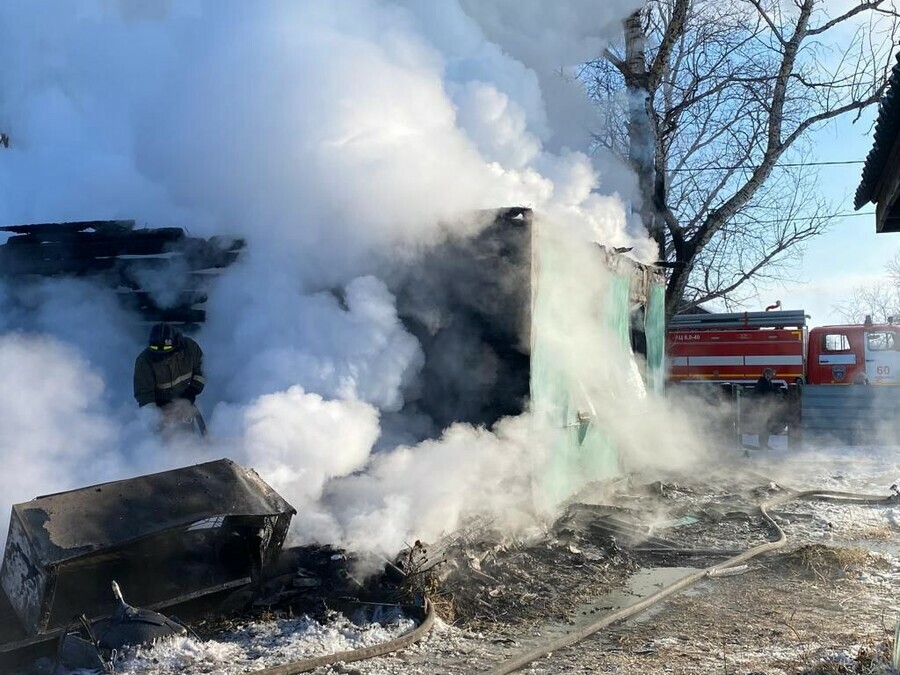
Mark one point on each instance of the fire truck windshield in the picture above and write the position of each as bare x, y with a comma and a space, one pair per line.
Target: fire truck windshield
879, 341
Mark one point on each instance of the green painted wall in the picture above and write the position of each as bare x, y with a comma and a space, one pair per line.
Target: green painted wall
579, 319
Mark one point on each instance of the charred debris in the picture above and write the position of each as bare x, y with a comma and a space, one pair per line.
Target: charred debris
116, 254
483, 579
198, 550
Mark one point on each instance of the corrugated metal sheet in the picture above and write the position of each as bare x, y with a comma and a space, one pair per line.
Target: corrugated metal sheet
886, 129
850, 415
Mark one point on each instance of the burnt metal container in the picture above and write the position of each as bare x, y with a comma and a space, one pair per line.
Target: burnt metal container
167, 537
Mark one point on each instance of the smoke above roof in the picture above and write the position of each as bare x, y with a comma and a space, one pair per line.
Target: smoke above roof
340, 140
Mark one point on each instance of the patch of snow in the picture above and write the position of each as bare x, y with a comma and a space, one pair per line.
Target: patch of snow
260, 645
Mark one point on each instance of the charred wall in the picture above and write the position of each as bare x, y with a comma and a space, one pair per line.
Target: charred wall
468, 302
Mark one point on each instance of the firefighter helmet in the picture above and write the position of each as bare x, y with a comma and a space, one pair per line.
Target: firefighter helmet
163, 338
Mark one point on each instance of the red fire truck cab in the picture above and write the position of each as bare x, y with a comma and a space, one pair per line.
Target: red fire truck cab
854, 354
738, 347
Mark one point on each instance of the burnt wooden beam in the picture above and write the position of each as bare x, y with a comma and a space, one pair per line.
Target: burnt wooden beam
89, 247
11, 265
78, 226
175, 315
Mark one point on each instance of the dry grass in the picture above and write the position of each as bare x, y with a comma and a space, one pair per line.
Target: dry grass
828, 563
875, 533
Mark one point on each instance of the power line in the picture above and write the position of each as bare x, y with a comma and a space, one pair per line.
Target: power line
849, 214
750, 166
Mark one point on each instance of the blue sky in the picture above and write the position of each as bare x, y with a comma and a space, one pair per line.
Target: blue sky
850, 253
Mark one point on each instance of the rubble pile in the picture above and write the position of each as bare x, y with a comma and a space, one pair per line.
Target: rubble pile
311, 581
478, 578
722, 516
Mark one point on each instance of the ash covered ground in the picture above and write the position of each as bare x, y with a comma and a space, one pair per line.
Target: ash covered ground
824, 604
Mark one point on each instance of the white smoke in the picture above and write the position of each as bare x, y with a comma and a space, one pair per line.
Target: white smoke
361, 352
334, 137
570, 34
54, 419
428, 489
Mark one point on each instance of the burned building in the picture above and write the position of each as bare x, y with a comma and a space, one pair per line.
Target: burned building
469, 300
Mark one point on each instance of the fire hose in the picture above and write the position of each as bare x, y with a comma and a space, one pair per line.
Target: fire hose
720, 569
306, 665
198, 418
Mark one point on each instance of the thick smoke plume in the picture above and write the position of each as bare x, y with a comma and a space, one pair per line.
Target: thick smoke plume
339, 139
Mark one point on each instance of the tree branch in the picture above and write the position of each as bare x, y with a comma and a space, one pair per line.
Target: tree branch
674, 31
614, 60
733, 84
765, 16
861, 7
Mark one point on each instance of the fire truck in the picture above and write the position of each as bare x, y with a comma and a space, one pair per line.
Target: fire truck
737, 347
819, 369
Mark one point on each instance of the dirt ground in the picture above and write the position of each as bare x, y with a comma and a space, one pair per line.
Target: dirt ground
778, 618
825, 604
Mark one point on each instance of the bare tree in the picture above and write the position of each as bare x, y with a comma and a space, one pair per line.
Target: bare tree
879, 300
711, 101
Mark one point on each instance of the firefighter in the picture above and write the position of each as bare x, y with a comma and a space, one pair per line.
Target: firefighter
764, 384
770, 415
169, 372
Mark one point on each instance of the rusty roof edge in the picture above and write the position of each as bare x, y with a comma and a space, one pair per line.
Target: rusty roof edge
887, 129
249, 473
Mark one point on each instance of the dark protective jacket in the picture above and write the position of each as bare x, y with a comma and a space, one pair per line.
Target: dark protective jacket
162, 378
765, 386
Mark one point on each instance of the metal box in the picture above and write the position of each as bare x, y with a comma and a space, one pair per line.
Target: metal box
165, 537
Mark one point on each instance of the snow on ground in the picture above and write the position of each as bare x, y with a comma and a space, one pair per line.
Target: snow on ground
861, 468
261, 644
867, 470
